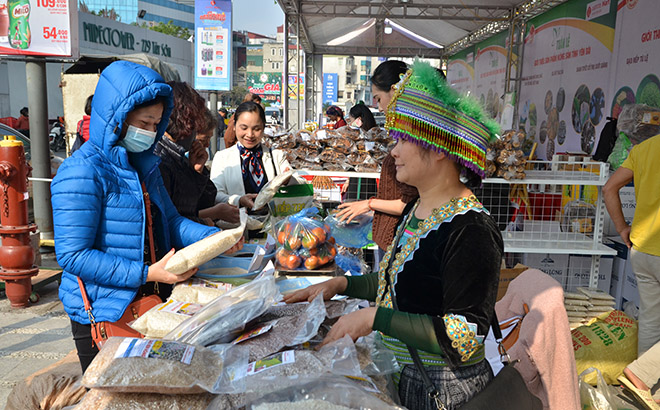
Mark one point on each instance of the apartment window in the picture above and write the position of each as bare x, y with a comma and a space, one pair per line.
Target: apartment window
340, 94
281, 52
251, 63
272, 51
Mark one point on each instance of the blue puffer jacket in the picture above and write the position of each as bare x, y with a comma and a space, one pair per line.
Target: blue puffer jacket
98, 208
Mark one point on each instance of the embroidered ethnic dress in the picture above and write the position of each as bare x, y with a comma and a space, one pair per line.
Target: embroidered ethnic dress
454, 233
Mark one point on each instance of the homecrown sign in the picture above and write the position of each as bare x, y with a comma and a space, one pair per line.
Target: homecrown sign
100, 34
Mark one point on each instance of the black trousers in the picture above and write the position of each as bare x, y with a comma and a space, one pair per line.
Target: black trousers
82, 337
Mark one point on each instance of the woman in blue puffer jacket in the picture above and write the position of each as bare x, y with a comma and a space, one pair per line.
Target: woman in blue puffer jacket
98, 207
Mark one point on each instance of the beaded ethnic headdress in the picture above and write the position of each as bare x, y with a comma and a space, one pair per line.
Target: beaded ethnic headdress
427, 111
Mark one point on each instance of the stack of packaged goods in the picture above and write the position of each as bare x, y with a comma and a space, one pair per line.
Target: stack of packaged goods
586, 304
344, 149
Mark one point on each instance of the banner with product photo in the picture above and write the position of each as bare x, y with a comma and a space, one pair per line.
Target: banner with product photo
39, 28
268, 86
566, 73
460, 71
213, 45
296, 82
637, 55
490, 73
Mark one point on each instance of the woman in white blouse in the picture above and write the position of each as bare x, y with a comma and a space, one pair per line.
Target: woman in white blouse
239, 172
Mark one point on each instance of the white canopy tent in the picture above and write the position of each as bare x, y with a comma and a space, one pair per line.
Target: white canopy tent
422, 28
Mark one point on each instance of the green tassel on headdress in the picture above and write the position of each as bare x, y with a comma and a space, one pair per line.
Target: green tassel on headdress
428, 77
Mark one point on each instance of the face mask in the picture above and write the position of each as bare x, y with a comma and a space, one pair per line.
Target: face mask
186, 143
137, 139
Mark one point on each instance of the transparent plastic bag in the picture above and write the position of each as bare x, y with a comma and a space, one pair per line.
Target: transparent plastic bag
162, 318
620, 152
331, 393
206, 249
270, 189
97, 399
223, 319
200, 291
288, 330
304, 241
354, 234
639, 122
375, 358
235, 361
133, 365
600, 397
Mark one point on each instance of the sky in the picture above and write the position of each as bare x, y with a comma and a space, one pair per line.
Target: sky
258, 16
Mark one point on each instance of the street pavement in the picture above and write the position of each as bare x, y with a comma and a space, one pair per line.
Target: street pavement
34, 337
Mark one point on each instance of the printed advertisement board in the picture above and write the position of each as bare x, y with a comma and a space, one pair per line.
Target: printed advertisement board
39, 27
296, 83
266, 85
566, 72
329, 87
213, 45
490, 73
460, 71
637, 56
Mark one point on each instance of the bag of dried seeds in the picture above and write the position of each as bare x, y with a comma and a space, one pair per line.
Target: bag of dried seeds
201, 291
222, 320
206, 249
97, 399
288, 330
132, 365
324, 393
162, 318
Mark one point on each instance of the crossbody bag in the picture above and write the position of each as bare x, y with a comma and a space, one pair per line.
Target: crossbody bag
101, 331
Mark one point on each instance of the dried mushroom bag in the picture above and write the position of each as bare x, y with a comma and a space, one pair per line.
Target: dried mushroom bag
162, 318
97, 399
223, 319
289, 330
200, 291
132, 365
208, 248
323, 393
270, 189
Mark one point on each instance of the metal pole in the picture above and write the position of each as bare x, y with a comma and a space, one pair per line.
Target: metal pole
213, 99
35, 70
285, 80
298, 70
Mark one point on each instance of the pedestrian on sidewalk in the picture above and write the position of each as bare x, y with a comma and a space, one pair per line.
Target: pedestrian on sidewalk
99, 210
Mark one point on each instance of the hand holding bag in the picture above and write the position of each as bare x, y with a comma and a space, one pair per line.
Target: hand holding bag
101, 331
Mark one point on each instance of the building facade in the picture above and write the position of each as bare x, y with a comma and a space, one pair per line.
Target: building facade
145, 11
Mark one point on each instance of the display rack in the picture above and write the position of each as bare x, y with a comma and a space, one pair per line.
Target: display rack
559, 211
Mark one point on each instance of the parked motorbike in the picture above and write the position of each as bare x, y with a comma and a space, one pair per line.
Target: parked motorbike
57, 136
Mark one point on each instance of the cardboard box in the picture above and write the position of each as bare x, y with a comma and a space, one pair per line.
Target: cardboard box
624, 283
579, 271
506, 276
555, 265
628, 203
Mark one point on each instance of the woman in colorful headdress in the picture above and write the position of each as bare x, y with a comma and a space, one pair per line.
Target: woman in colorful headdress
443, 266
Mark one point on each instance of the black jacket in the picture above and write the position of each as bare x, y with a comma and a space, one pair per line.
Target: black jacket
190, 191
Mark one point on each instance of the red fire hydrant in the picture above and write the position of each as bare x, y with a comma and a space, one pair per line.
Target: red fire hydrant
16, 254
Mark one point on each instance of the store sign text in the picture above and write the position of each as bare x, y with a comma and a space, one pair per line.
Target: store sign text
96, 33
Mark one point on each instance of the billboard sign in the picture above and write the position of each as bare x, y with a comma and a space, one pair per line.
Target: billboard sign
329, 87
266, 85
213, 45
39, 28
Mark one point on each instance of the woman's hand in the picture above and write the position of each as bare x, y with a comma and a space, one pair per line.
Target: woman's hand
356, 324
329, 288
157, 272
352, 209
198, 156
247, 201
226, 212
235, 248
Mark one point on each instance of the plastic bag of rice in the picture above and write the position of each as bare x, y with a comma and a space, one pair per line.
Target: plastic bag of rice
200, 291
132, 365
206, 249
162, 318
270, 189
97, 399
